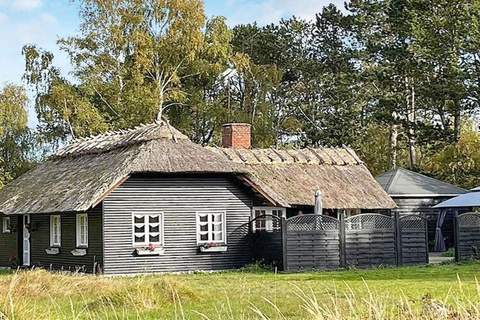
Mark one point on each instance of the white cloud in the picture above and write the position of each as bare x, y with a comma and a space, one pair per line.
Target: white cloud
25, 5
3, 18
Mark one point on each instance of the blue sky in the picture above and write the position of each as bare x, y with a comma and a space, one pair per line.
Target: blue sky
42, 22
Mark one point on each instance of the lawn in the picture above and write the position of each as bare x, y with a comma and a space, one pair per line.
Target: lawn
431, 292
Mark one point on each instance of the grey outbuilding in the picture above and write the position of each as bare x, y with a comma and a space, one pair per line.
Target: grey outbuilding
415, 193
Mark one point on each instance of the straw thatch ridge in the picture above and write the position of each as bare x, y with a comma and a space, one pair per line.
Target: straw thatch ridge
293, 176
121, 138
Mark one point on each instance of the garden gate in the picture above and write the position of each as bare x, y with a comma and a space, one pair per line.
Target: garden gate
467, 236
413, 239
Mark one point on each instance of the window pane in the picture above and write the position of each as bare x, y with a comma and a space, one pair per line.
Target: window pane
217, 236
203, 218
204, 237
139, 219
139, 229
155, 228
259, 213
217, 227
155, 239
217, 218
204, 227
140, 239
154, 219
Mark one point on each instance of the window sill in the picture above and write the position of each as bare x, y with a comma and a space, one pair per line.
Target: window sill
148, 252
52, 251
219, 248
79, 252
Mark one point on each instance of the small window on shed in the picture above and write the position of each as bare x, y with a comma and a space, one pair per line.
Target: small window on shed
6, 225
55, 231
147, 229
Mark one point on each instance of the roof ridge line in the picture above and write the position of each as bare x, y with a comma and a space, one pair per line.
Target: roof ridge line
393, 179
110, 133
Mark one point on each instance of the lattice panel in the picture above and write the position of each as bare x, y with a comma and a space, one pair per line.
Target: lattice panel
312, 222
412, 222
369, 222
470, 219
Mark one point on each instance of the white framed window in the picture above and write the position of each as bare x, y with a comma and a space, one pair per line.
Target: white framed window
211, 227
82, 230
6, 225
263, 219
147, 229
55, 231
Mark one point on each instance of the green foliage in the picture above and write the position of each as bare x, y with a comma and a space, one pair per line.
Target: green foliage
15, 138
391, 78
132, 60
458, 163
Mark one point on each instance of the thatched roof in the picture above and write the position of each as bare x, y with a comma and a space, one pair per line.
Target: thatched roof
292, 177
83, 173
80, 175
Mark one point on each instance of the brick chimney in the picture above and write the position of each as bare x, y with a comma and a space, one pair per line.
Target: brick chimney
236, 136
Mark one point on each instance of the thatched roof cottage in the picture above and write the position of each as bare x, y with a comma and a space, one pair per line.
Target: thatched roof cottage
150, 200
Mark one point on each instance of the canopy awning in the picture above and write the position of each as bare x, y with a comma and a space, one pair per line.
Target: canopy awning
470, 199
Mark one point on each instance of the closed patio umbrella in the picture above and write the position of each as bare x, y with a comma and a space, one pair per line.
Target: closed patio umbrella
318, 202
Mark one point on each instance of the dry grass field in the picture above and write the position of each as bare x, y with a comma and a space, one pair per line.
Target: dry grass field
432, 292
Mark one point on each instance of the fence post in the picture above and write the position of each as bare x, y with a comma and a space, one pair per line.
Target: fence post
284, 244
456, 236
425, 220
343, 245
398, 238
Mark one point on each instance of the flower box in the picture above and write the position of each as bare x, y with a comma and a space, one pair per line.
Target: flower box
52, 251
218, 248
79, 252
149, 251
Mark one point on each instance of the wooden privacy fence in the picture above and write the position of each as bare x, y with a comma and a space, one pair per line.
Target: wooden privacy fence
467, 236
370, 240
311, 242
322, 242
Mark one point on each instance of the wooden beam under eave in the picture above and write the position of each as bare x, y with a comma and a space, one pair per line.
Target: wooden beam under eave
258, 189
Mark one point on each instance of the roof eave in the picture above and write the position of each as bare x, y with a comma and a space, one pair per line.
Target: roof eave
426, 195
272, 198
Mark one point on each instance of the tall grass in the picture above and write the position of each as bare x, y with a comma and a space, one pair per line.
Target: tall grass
43, 295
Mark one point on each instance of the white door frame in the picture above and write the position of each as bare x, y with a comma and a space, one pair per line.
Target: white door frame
25, 240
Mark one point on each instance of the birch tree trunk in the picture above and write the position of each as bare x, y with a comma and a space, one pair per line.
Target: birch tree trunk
411, 119
393, 145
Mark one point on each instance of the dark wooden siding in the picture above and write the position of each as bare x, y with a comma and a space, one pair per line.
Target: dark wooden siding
178, 198
8, 243
40, 240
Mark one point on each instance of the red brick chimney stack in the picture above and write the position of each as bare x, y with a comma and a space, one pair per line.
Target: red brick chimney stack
237, 136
